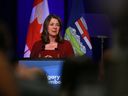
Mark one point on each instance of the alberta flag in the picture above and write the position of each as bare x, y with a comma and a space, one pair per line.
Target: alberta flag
39, 12
77, 30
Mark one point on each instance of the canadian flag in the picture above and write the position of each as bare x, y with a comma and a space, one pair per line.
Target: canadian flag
39, 12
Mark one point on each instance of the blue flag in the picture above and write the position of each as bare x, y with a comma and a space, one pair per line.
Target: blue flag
77, 30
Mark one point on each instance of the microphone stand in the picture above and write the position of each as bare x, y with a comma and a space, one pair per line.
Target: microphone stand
101, 65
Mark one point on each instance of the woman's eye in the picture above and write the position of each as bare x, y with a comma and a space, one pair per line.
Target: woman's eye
57, 24
51, 24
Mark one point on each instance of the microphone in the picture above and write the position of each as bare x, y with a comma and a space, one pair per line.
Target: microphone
56, 48
43, 46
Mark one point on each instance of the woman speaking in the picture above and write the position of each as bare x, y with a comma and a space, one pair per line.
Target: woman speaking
52, 45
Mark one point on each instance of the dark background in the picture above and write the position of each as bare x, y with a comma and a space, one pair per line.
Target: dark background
8, 17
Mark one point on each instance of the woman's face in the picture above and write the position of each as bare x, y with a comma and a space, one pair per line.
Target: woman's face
53, 27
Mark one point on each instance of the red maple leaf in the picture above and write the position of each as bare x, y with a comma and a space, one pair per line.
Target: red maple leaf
37, 2
33, 33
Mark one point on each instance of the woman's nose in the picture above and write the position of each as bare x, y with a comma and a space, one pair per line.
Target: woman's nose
55, 26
